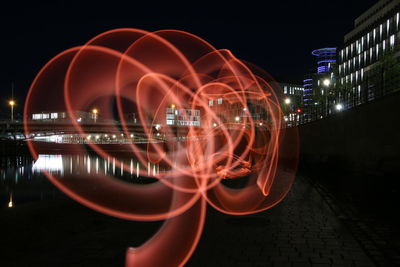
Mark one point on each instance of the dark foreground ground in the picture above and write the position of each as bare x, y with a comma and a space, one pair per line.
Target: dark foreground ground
304, 230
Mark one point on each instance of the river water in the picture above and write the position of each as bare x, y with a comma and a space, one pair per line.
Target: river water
22, 179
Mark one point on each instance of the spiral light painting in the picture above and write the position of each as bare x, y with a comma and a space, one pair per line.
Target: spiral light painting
208, 119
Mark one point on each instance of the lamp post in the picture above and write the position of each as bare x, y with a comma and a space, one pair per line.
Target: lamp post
327, 84
95, 111
12, 104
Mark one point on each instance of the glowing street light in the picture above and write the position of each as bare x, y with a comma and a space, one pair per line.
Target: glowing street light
12, 104
95, 111
326, 82
237, 118
10, 203
339, 107
287, 101
173, 106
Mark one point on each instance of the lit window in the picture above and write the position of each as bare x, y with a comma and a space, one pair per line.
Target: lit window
36, 116
210, 103
392, 41
374, 35
219, 101
397, 19
54, 115
388, 26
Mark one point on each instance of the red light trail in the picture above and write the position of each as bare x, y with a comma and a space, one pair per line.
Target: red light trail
131, 70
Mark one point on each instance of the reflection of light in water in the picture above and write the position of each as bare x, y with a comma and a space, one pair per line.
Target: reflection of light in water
148, 168
51, 163
97, 165
122, 168
154, 170
50, 138
10, 203
113, 166
88, 164
131, 166
137, 169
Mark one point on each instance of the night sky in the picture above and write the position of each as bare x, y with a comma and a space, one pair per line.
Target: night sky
278, 36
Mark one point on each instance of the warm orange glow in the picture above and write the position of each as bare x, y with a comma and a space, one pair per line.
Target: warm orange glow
123, 66
11, 103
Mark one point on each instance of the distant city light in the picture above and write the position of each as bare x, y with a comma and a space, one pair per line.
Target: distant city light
261, 124
237, 118
327, 82
298, 110
79, 120
11, 103
97, 137
339, 107
88, 137
214, 124
114, 136
244, 109
173, 106
10, 203
95, 111
287, 101
131, 135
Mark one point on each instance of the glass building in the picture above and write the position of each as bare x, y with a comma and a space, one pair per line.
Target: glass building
368, 64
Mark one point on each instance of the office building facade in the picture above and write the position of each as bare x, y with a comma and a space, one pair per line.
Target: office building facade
368, 62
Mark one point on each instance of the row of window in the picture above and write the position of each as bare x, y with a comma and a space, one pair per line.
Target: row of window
47, 116
371, 39
182, 112
183, 123
218, 101
292, 89
368, 57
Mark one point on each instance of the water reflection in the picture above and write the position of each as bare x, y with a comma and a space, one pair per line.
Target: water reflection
62, 165
22, 178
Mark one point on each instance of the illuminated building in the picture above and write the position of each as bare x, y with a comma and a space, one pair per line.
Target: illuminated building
318, 85
293, 99
368, 61
62, 116
182, 117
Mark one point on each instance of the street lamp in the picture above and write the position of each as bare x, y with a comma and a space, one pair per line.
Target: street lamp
287, 101
339, 107
95, 111
326, 82
12, 104
237, 118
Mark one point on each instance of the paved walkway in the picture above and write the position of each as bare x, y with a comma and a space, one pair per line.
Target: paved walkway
300, 231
